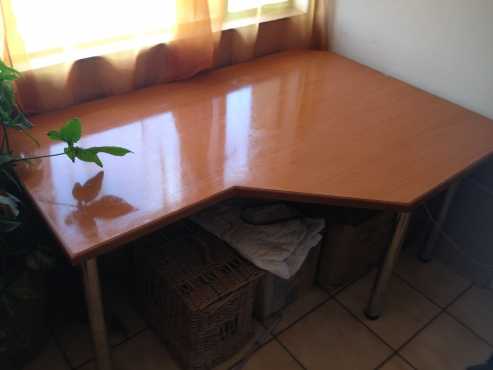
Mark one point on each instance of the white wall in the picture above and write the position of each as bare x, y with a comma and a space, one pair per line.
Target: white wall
446, 48
442, 46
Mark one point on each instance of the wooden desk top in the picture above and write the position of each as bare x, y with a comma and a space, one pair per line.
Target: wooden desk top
302, 125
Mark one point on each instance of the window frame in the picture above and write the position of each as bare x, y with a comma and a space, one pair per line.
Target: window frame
268, 8
269, 12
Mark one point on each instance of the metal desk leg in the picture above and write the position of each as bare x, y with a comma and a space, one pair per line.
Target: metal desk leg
426, 253
375, 306
96, 313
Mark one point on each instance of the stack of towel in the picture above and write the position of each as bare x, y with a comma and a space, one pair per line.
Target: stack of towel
275, 237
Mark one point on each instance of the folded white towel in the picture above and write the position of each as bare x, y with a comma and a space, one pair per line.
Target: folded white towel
279, 248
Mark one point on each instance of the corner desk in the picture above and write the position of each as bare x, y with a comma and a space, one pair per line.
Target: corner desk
301, 126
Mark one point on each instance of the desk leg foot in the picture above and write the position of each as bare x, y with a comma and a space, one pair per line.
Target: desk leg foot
96, 313
426, 253
375, 306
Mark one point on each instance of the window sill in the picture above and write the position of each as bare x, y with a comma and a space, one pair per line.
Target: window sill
248, 21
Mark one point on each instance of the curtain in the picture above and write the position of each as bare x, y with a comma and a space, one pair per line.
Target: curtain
74, 51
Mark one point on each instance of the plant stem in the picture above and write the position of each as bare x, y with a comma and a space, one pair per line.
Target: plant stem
6, 139
35, 157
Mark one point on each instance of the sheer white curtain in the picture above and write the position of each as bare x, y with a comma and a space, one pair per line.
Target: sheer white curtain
76, 50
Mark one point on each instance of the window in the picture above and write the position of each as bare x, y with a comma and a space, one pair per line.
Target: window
243, 12
235, 6
47, 32
61, 29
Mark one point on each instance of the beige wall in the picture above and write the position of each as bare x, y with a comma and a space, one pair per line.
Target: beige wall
446, 48
442, 46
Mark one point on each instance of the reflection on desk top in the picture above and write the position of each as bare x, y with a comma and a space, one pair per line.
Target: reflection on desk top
300, 125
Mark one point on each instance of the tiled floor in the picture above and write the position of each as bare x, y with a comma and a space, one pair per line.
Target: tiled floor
434, 319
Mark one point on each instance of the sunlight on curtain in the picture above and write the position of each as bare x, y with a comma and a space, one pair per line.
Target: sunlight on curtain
55, 31
72, 51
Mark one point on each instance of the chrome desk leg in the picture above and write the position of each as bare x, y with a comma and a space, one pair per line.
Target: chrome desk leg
96, 313
375, 306
426, 253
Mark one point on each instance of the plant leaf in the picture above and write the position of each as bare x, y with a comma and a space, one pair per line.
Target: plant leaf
70, 152
5, 158
7, 225
54, 135
11, 202
71, 131
28, 134
88, 155
8, 93
113, 150
9, 176
21, 121
8, 73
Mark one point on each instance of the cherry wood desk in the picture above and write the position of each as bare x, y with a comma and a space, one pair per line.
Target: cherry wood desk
307, 126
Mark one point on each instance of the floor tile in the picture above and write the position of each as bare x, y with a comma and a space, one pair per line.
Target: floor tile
260, 338
146, 352
143, 352
76, 341
271, 356
75, 338
396, 363
331, 337
405, 312
128, 317
50, 358
446, 344
311, 299
433, 279
475, 309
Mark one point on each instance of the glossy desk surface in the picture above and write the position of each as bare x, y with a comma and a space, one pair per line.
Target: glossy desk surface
302, 125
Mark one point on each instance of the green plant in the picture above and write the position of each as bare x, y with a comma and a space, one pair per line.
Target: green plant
11, 117
17, 259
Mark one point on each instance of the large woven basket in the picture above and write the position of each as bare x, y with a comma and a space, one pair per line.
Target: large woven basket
197, 293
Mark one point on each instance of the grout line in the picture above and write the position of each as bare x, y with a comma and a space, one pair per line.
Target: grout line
301, 317
419, 331
445, 310
248, 356
342, 287
459, 296
112, 347
331, 297
410, 285
364, 323
60, 349
406, 360
387, 359
469, 329
129, 337
442, 311
394, 355
469, 286
290, 354
92, 359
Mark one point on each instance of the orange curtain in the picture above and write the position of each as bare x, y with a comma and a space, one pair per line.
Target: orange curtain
197, 43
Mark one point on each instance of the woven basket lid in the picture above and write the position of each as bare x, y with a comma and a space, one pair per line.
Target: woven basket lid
199, 267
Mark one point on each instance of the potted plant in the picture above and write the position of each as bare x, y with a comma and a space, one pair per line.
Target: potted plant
22, 298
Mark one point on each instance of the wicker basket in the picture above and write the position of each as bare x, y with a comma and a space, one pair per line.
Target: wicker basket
197, 293
274, 293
